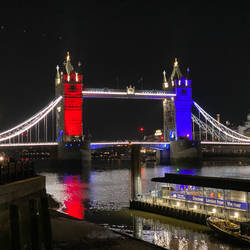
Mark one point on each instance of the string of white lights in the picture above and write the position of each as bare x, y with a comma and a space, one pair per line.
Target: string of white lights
222, 128
19, 129
29, 144
225, 143
125, 93
31, 118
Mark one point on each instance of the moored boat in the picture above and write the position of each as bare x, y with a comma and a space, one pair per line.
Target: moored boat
230, 230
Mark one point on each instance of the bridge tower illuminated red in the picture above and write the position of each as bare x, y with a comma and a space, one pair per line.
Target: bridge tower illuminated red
69, 84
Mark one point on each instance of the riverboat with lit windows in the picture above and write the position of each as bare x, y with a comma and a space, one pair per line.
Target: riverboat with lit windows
236, 232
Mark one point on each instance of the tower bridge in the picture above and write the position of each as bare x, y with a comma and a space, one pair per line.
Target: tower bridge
60, 123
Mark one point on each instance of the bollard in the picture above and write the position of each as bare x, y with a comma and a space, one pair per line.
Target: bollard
1, 174
135, 171
32, 168
46, 224
14, 228
34, 224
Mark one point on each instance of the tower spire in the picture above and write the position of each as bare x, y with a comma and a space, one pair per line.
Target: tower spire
68, 66
176, 73
175, 62
68, 57
57, 71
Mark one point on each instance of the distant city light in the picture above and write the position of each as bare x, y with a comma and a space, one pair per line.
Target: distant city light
141, 129
158, 132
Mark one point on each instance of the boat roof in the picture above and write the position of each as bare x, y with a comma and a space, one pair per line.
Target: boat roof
205, 181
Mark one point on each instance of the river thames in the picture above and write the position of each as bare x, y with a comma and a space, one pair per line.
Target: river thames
100, 193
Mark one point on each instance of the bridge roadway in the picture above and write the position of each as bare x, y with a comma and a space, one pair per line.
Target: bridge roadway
28, 144
108, 144
123, 94
93, 145
49, 149
155, 145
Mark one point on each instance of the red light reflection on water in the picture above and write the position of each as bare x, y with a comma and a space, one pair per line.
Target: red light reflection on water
74, 196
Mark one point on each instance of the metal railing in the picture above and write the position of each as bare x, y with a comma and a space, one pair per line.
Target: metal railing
13, 171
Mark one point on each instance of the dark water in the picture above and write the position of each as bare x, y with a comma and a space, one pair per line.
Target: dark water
101, 193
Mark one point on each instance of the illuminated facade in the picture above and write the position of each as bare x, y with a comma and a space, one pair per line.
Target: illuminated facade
206, 195
177, 121
69, 113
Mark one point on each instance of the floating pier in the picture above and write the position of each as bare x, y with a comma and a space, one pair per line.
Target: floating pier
194, 198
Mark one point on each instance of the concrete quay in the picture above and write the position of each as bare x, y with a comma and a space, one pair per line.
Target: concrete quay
24, 218
17, 190
69, 233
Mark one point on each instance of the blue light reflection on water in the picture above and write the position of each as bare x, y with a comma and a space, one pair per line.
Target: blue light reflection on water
162, 170
191, 171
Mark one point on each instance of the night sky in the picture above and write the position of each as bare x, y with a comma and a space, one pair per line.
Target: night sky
118, 43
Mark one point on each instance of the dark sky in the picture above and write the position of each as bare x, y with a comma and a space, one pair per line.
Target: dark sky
129, 40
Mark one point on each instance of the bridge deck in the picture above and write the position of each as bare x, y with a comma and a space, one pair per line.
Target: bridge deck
114, 143
123, 94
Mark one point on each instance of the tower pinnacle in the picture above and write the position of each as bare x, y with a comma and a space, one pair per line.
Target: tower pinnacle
58, 78
57, 72
165, 83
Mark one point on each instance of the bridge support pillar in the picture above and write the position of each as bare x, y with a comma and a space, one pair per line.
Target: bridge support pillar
184, 151
163, 156
136, 187
74, 151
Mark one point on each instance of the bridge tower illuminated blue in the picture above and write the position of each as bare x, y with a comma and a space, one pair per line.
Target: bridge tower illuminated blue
177, 118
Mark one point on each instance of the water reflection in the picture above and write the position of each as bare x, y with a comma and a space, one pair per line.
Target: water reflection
191, 171
74, 196
101, 194
173, 235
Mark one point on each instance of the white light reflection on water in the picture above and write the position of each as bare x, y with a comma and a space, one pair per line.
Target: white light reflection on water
174, 234
104, 189
109, 190
241, 172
